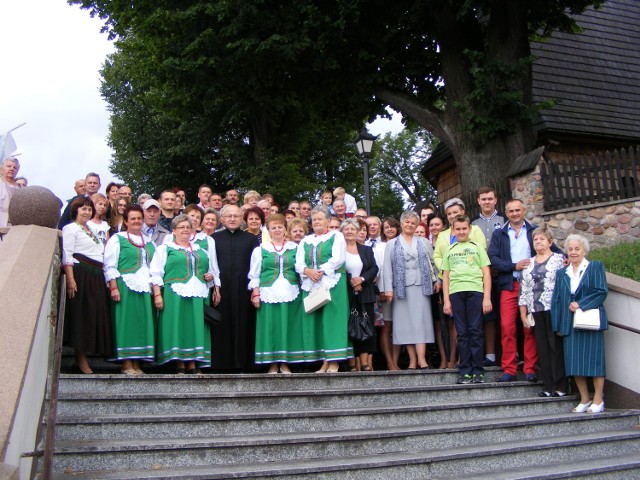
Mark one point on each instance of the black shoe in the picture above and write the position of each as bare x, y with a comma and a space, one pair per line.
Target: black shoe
478, 378
544, 393
465, 379
194, 371
489, 363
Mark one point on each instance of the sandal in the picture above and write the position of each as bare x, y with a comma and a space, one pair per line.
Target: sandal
366, 368
130, 371
353, 369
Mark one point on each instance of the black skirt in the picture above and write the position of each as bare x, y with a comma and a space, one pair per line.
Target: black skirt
87, 320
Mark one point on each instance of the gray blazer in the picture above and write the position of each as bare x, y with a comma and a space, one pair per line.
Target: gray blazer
412, 274
159, 234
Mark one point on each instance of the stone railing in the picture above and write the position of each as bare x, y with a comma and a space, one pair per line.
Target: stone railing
29, 272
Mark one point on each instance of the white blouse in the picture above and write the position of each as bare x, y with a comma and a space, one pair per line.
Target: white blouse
281, 291
76, 240
338, 253
194, 287
576, 278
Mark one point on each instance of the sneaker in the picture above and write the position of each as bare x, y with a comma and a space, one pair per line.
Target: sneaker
531, 377
489, 363
478, 378
558, 394
544, 393
506, 377
465, 379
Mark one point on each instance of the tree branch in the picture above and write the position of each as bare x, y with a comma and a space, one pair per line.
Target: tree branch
405, 104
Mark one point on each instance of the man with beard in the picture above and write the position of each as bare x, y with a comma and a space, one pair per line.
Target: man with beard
233, 338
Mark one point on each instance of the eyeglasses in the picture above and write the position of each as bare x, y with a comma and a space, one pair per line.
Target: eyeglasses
233, 216
183, 227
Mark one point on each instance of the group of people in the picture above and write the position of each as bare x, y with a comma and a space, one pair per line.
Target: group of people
140, 290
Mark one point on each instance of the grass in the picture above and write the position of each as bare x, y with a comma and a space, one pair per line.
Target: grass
622, 259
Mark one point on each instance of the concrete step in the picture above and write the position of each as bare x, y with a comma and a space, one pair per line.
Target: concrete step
451, 462
188, 452
206, 425
257, 382
83, 403
612, 467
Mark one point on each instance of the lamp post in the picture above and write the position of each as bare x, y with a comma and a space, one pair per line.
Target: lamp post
364, 143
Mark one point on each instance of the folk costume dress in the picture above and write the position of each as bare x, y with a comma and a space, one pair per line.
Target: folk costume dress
87, 326
126, 260
325, 334
279, 318
182, 332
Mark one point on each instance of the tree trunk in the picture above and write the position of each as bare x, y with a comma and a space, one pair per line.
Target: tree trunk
480, 160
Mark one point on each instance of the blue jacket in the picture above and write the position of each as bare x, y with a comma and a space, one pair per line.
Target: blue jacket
500, 254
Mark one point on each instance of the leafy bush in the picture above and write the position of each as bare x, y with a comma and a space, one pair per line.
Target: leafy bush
622, 259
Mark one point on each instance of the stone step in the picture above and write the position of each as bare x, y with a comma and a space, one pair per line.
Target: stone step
177, 403
453, 462
207, 425
189, 452
104, 383
612, 467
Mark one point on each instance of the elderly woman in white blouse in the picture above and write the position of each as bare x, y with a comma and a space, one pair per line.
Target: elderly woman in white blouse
181, 274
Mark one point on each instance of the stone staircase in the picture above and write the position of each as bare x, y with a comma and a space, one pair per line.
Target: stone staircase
380, 425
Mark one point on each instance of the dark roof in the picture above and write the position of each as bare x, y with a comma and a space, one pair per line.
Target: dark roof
525, 162
595, 75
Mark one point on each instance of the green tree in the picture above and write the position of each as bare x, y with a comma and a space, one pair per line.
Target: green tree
264, 71
398, 161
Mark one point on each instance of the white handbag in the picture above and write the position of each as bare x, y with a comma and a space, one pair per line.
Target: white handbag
586, 319
317, 299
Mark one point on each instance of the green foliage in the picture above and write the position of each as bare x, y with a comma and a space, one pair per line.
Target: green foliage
233, 92
622, 259
497, 97
397, 163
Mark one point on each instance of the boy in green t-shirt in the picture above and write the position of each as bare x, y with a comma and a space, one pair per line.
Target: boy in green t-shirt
466, 281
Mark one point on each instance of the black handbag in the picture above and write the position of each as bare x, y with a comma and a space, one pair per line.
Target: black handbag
360, 328
212, 315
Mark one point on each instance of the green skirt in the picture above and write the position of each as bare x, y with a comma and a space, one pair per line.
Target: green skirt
182, 332
279, 332
133, 325
324, 332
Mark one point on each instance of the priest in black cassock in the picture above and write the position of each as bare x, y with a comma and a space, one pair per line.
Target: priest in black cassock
233, 338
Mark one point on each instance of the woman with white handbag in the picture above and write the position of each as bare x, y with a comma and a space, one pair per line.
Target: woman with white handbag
320, 263
581, 287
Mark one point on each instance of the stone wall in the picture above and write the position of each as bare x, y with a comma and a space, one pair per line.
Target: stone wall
604, 224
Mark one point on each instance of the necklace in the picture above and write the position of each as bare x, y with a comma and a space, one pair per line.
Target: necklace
278, 250
135, 244
88, 232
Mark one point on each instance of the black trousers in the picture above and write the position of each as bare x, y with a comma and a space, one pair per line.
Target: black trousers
550, 354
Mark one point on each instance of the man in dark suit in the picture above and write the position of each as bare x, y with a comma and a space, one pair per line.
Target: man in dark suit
233, 339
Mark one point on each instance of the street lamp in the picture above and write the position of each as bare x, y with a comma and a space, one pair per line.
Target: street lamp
364, 143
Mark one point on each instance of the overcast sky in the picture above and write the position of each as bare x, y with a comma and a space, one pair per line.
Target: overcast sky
49, 78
